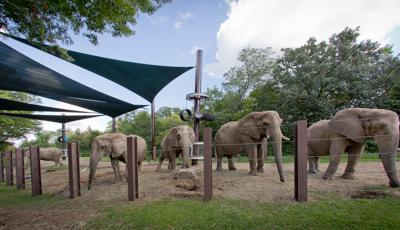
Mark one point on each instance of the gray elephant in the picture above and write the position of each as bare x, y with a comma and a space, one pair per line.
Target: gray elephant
178, 140
46, 154
246, 135
115, 146
347, 132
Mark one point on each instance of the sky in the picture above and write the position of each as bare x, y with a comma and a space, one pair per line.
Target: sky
221, 28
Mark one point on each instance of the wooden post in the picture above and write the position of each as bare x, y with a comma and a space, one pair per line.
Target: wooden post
300, 166
1, 167
36, 176
20, 171
208, 191
133, 182
9, 169
74, 173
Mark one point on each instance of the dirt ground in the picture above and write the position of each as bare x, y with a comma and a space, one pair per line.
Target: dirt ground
370, 180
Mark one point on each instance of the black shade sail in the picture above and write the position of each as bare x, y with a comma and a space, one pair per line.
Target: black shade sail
20, 73
6, 104
52, 118
143, 79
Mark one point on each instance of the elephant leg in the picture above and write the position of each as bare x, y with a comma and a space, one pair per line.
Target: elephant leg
316, 163
219, 162
160, 161
260, 159
172, 159
57, 162
354, 153
336, 149
252, 153
312, 164
115, 166
139, 166
231, 166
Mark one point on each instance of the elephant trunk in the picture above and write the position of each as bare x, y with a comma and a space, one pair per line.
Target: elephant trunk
388, 154
94, 161
277, 148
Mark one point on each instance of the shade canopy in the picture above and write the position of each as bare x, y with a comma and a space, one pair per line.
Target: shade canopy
6, 104
52, 118
20, 73
143, 79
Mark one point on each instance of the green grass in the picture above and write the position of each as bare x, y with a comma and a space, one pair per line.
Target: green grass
9, 196
337, 213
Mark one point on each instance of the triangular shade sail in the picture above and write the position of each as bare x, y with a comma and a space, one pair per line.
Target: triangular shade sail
143, 79
52, 118
20, 73
6, 104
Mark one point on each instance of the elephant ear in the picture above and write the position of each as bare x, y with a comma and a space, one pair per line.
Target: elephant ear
172, 138
248, 125
349, 123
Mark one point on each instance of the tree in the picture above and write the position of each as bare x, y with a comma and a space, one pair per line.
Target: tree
12, 128
52, 21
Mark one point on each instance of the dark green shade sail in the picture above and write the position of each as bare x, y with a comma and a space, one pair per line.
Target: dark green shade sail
52, 118
6, 104
143, 79
20, 73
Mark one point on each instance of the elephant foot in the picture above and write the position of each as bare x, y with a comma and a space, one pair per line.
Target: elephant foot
218, 169
231, 169
394, 184
348, 176
260, 170
327, 176
158, 169
312, 171
253, 173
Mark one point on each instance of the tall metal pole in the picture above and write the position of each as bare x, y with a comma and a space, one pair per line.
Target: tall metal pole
197, 89
153, 130
63, 136
114, 125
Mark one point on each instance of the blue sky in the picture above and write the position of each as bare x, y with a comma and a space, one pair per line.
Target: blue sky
220, 28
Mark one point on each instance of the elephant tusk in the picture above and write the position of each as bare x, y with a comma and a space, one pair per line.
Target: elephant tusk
285, 138
83, 170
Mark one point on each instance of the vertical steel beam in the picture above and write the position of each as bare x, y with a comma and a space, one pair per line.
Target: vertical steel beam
9, 169
1, 167
132, 164
153, 130
301, 155
74, 173
36, 176
20, 169
208, 191
197, 89
114, 125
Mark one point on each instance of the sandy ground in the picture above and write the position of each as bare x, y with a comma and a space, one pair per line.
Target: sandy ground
370, 181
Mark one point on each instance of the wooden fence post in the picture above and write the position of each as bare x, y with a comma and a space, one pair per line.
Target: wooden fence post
300, 165
1, 168
9, 169
207, 164
74, 173
20, 168
36, 176
132, 164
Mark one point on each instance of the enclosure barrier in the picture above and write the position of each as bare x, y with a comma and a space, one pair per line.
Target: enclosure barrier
1, 168
74, 172
133, 182
300, 163
207, 164
36, 176
9, 169
20, 169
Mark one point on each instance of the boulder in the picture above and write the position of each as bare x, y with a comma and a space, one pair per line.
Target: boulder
187, 179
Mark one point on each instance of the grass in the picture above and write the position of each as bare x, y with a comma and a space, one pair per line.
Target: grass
10, 196
337, 213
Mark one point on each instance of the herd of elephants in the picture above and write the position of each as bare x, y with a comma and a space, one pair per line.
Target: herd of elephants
346, 132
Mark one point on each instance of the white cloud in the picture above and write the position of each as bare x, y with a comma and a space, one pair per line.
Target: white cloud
289, 23
160, 20
182, 17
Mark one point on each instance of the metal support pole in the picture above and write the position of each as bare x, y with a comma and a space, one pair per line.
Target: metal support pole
74, 172
114, 125
1, 167
9, 169
153, 131
208, 191
20, 171
300, 166
36, 176
197, 89
132, 164
63, 144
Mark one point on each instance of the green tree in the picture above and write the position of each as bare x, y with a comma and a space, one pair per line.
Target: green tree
52, 21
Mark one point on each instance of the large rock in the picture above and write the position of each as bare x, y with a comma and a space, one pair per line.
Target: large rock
187, 179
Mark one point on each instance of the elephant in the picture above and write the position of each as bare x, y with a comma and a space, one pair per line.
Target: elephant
246, 135
46, 154
347, 132
178, 140
115, 146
